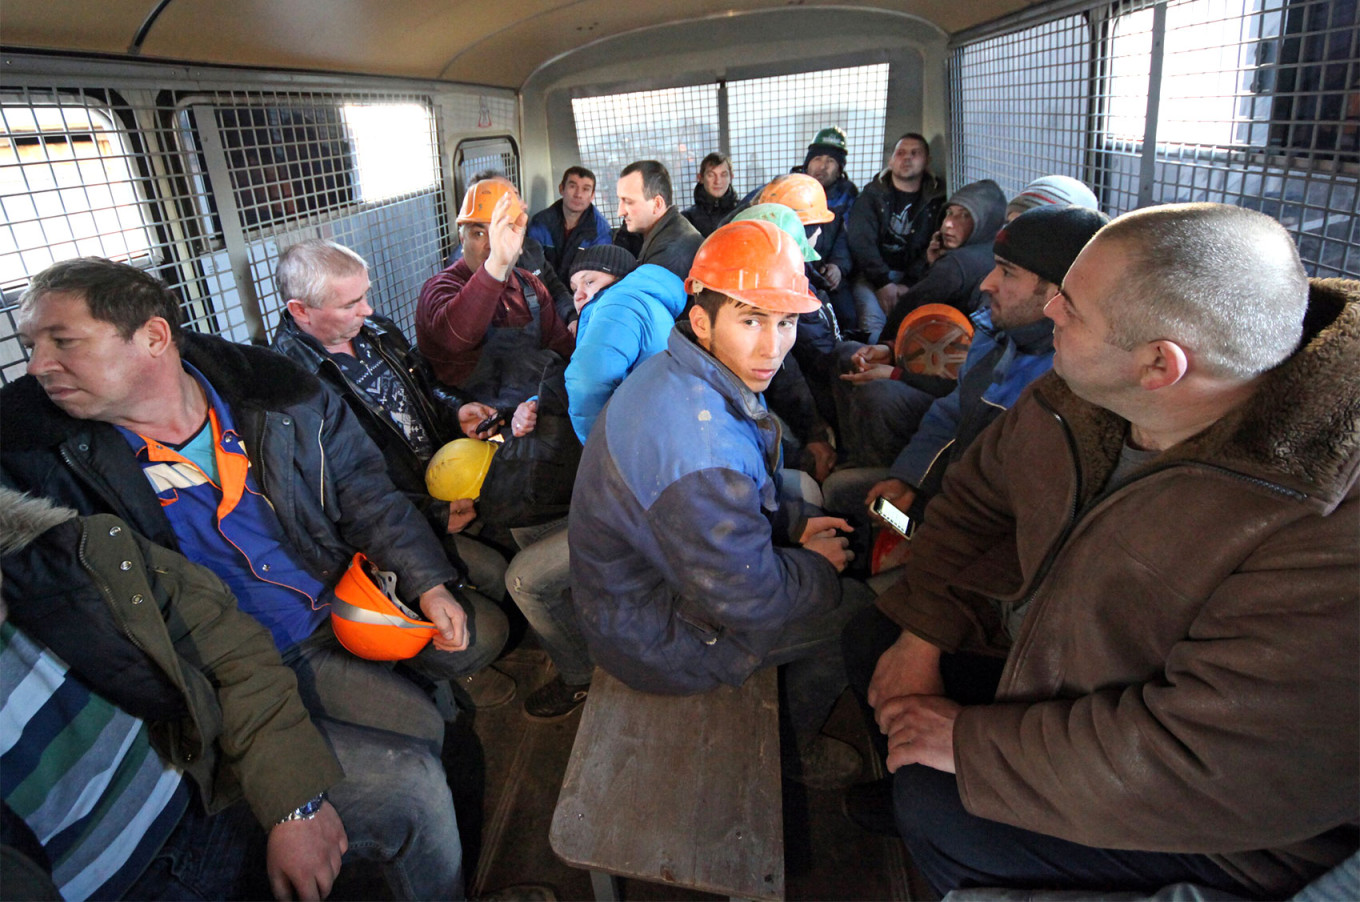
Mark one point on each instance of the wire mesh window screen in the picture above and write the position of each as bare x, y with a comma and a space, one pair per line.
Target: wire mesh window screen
773, 120
200, 189
1256, 106
677, 126
1019, 105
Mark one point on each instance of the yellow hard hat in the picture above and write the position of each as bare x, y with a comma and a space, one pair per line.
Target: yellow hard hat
458, 469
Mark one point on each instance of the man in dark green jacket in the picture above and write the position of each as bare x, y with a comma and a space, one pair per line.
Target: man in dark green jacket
141, 664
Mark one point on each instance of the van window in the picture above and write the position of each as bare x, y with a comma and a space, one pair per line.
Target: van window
770, 122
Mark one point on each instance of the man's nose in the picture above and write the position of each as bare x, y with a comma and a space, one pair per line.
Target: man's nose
1053, 309
40, 361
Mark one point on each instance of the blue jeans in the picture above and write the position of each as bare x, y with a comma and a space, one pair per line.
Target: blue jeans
869, 313
539, 580
339, 686
955, 849
394, 803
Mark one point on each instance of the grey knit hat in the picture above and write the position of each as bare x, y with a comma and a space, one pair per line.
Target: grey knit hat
1053, 190
606, 258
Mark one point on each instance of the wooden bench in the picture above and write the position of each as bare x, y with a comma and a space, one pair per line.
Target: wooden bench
677, 790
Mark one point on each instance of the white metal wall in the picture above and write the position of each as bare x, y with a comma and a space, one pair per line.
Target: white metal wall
205, 180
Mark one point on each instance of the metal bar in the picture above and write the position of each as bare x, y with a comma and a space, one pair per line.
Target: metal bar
1147, 174
233, 235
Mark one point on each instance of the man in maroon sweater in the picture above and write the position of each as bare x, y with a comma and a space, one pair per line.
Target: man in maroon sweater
476, 321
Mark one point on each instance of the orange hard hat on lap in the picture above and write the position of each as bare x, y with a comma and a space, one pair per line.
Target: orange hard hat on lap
370, 621
756, 263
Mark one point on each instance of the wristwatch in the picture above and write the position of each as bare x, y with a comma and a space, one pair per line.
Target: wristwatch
306, 811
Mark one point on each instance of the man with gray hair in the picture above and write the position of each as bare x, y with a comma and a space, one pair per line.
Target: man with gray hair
329, 327
1159, 539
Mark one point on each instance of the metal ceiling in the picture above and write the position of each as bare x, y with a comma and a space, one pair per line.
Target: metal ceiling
489, 42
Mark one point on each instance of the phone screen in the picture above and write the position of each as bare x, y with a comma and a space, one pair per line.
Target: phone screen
892, 515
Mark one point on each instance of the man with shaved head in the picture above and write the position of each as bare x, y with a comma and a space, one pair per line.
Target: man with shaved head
1159, 541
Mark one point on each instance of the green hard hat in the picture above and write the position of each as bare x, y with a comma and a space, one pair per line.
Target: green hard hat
832, 137
787, 221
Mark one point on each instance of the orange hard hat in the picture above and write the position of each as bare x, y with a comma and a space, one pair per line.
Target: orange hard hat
933, 340
755, 262
801, 193
370, 621
481, 198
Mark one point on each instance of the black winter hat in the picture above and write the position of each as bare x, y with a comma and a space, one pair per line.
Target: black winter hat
606, 258
827, 142
1045, 240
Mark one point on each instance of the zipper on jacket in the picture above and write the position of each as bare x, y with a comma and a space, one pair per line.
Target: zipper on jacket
1076, 514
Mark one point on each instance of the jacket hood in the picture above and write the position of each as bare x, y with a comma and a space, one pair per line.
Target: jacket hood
1300, 430
23, 518
656, 282
987, 203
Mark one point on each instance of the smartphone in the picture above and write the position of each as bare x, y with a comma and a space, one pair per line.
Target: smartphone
496, 419
892, 515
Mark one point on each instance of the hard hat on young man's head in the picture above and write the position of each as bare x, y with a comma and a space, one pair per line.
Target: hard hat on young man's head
458, 469
481, 199
756, 263
801, 193
370, 621
788, 222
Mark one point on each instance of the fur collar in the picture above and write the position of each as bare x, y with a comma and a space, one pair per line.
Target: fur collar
23, 518
243, 374
1301, 429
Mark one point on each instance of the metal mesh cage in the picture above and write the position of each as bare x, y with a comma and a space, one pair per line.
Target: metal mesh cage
1247, 102
768, 125
205, 188
677, 126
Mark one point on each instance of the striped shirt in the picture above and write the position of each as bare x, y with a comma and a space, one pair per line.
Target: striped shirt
81, 773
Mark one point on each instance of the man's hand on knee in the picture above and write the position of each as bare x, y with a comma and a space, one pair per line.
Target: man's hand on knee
303, 856
910, 666
920, 730
448, 616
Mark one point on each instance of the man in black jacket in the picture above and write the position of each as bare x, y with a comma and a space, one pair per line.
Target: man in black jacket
329, 327
890, 227
646, 209
243, 462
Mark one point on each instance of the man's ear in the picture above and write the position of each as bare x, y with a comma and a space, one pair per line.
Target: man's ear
156, 332
300, 311
703, 328
1162, 363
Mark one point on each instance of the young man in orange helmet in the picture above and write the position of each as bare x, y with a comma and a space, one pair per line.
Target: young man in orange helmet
689, 570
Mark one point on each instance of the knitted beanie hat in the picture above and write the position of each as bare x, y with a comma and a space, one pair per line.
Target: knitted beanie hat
1047, 239
1056, 190
827, 142
606, 258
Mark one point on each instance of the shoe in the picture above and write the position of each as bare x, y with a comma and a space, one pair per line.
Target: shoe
824, 763
554, 700
487, 688
870, 806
